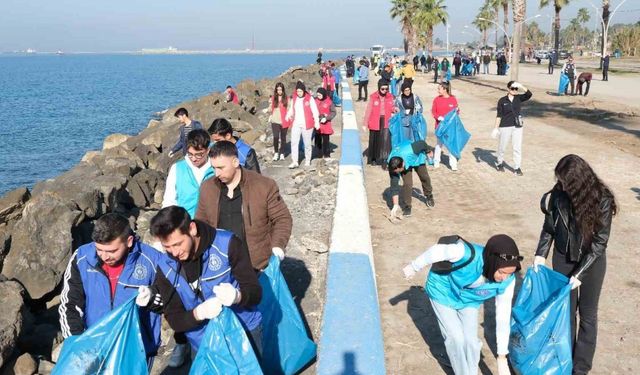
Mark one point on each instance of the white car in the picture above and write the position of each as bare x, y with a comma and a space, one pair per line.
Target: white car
377, 50
542, 54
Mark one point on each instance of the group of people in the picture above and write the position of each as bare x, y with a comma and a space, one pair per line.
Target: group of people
220, 222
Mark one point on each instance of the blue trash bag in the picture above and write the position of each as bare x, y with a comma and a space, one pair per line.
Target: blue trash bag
225, 348
540, 341
447, 77
452, 133
506, 68
393, 87
467, 69
111, 346
336, 99
286, 346
418, 127
395, 129
562, 85
356, 76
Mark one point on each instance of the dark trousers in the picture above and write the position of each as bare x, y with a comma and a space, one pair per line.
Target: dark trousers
180, 337
337, 87
572, 83
325, 145
279, 138
361, 85
605, 74
407, 183
584, 301
550, 68
375, 144
457, 72
586, 91
255, 338
435, 75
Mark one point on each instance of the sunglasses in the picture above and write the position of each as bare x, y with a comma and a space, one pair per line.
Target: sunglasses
509, 257
383, 89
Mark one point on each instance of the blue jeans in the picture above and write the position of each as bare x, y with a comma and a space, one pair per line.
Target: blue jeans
460, 331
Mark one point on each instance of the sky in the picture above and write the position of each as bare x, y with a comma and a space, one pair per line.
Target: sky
118, 25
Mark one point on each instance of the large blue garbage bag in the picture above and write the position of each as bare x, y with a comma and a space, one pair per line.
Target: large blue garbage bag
452, 133
111, 346
540, 341
356, 76
447, 77
506, 68
286, 346
394, 87
225, 348
336, 99
395, 129
467, 69
562, 85
418, 127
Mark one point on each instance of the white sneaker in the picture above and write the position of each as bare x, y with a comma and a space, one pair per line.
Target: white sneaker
293, 165
307, 163
436, 165
281, 156
276, 157
178, 355
455, 169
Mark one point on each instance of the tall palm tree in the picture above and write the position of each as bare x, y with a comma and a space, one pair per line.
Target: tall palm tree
519, 12
497, 4
557, 6
482, 22
429, 14
403, 10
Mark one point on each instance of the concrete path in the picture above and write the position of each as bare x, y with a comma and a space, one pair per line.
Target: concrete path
477, 202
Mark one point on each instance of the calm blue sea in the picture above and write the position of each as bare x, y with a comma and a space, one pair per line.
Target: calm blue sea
56, 108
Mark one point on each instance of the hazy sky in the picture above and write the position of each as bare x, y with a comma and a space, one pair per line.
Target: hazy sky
118, 25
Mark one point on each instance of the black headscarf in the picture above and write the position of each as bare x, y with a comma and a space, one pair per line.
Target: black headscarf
500, 251
382, 82
322, 91
405, 84
300, 85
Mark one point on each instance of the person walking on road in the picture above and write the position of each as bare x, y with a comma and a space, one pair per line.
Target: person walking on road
509, 123
303, 115
376, 118
443, 104
278, 105
363, 81
605, 68
408, 104
486, 59
462, 277
327, 111
578, 214
551, 61
569, 68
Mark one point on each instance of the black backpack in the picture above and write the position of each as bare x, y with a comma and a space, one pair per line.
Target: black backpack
445, 267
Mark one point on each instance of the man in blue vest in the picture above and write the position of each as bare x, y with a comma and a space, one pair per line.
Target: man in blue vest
182, 189
103, 275
186, 175
403, 159
204, 269
221, 130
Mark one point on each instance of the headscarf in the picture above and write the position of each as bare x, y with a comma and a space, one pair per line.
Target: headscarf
322, 91
300, 85
500, 251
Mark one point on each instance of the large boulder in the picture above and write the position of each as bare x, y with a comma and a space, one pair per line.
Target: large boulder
142, 187
12, 314
114, 140
11, 204
41, 243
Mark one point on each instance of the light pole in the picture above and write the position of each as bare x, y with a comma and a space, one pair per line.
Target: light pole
605, 28
500, 27
447, 39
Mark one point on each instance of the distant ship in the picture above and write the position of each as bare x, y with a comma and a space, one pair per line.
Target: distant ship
30, 51
159, 50
59, 53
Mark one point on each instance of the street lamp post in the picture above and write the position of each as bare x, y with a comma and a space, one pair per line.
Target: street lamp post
605, 28
500, 27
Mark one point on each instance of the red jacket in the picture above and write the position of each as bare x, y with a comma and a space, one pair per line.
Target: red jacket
324, 108
441, 106
283, 112
308, 115
378, 106
233, 96
329, 81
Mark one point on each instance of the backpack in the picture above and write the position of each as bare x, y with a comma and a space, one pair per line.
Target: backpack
445, 267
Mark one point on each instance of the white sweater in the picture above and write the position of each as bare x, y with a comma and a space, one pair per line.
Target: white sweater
455, 252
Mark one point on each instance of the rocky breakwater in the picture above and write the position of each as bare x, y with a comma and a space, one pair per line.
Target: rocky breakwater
40, 229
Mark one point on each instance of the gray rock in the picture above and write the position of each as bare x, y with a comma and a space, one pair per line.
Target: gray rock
154, 124
142, 187
240, 126
251, 136
41, 243
114, 140
11, 204
25, 365
291, 191
45, 367
12, 312
298, 180
5, 241
312, 244
89, 156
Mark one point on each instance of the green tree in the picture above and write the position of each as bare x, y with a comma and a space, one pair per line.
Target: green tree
626, 38
428, 15
557, 6
534, 35
482, 21
403, 11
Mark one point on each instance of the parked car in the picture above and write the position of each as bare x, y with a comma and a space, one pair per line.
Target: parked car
542, 54
564, 54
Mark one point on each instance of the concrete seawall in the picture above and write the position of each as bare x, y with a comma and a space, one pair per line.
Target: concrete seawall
351, 338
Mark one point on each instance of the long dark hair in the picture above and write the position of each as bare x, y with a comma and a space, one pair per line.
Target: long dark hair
585, 190
276, 101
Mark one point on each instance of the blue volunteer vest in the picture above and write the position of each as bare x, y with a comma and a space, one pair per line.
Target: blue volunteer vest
187, 187
452, 289
243, 151
410, 158
215, 270
139, 269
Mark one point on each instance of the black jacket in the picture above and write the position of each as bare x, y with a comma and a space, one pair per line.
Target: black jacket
561, 229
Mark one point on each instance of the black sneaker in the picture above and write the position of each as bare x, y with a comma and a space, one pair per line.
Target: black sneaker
500, 167
406, 212
518, 172
430, 202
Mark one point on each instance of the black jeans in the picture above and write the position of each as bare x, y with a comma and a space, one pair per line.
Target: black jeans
361, 85
586, 91
605, 74
584, 301
550, 68
322, 142
279, 137
407, 183
572, 83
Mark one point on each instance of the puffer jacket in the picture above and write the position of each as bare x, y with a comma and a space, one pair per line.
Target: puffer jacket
561, 229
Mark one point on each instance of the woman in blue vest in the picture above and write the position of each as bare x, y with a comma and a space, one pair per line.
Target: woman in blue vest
461, 278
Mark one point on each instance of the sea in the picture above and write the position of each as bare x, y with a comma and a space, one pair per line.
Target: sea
57, 107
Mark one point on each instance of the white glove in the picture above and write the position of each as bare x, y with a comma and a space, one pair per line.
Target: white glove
278, 252
503, 365
208, 309
227, 294
144, 296
323, 120
440, 118
538, 261
316, 126
395, 211
170, 154
574, 282
495, 133
409, 271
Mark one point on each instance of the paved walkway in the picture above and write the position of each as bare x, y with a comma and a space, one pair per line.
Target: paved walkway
477, 202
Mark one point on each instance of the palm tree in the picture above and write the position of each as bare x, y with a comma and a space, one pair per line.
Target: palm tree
482, 22
429, 14
605, 18
403, 11
557, 6
519, 12
496, 4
